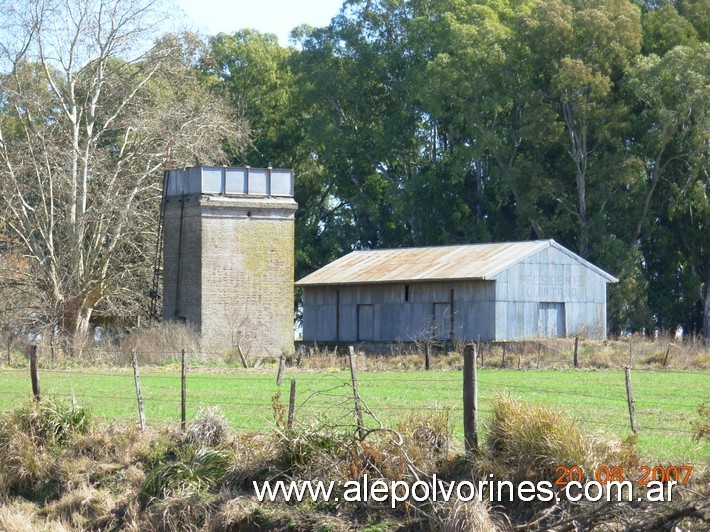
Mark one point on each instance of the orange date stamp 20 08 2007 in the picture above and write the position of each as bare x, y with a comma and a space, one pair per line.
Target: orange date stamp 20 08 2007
604, 474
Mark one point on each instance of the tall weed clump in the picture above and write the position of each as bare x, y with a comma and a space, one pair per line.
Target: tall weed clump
53, 421
529, 442
209, 427
427, 437
30, 437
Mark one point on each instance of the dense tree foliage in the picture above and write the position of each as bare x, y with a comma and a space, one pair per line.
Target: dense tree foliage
421, 122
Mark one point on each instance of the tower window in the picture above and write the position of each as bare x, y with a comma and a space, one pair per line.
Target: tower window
406, 292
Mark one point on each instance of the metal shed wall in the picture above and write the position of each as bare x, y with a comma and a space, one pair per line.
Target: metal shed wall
550, 276
330, 313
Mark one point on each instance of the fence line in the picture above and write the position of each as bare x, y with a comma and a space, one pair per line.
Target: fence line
335, 389
365, 383
377, 406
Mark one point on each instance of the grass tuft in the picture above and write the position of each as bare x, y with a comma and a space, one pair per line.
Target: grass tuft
458, 515
184, 512
193, 469
427, 436
53, 421
529, 442
29, 437
209, 428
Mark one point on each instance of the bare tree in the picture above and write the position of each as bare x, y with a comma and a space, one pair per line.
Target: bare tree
87, 124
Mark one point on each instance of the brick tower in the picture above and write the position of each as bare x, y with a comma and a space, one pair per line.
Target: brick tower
229, 256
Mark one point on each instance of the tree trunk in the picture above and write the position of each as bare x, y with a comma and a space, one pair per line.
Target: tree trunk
76, 317
706, 308
578, 151
655, 175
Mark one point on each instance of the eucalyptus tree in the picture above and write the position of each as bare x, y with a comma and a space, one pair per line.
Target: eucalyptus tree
672, 128
89, 116
359, 121
489, 132
580, 50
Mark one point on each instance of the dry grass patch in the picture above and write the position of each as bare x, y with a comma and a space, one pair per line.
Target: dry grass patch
209, 427
184, 512
160, 344
30, 438
456, 516
529, 442
427, 437
80, 506
19, 515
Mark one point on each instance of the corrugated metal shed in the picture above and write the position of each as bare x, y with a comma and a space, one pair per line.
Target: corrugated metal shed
450, 263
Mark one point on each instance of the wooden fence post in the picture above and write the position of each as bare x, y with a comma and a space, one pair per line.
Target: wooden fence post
576, 348
282, 368
539, 349
479, 351
34, 375
502, 361
356, 393
291, 404
427, 349
665, 358
630, 398
241, 355
139, 394
183, 392
470, 400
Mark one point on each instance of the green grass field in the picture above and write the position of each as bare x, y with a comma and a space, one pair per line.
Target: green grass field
666, 401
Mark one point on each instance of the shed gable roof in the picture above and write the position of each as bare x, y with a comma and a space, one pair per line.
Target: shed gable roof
439, 263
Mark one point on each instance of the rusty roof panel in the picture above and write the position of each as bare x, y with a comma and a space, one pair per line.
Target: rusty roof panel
474, 261
477, 261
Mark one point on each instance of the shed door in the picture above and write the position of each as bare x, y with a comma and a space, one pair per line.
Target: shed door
442, 321
551, 320
365, 322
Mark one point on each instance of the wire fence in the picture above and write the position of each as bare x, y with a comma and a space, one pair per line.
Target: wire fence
155, 348
666, 402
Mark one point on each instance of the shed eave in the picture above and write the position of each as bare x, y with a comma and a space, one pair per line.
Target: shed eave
491, 275
551, 243
301, 283
610, 278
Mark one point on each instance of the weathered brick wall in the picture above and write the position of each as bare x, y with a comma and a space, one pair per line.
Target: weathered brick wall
243, 248
182, 291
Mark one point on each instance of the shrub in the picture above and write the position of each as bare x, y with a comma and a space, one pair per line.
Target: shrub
298, 450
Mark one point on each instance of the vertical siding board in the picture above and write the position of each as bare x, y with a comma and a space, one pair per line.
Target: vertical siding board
501, 317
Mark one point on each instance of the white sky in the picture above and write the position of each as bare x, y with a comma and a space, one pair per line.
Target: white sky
268, 16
